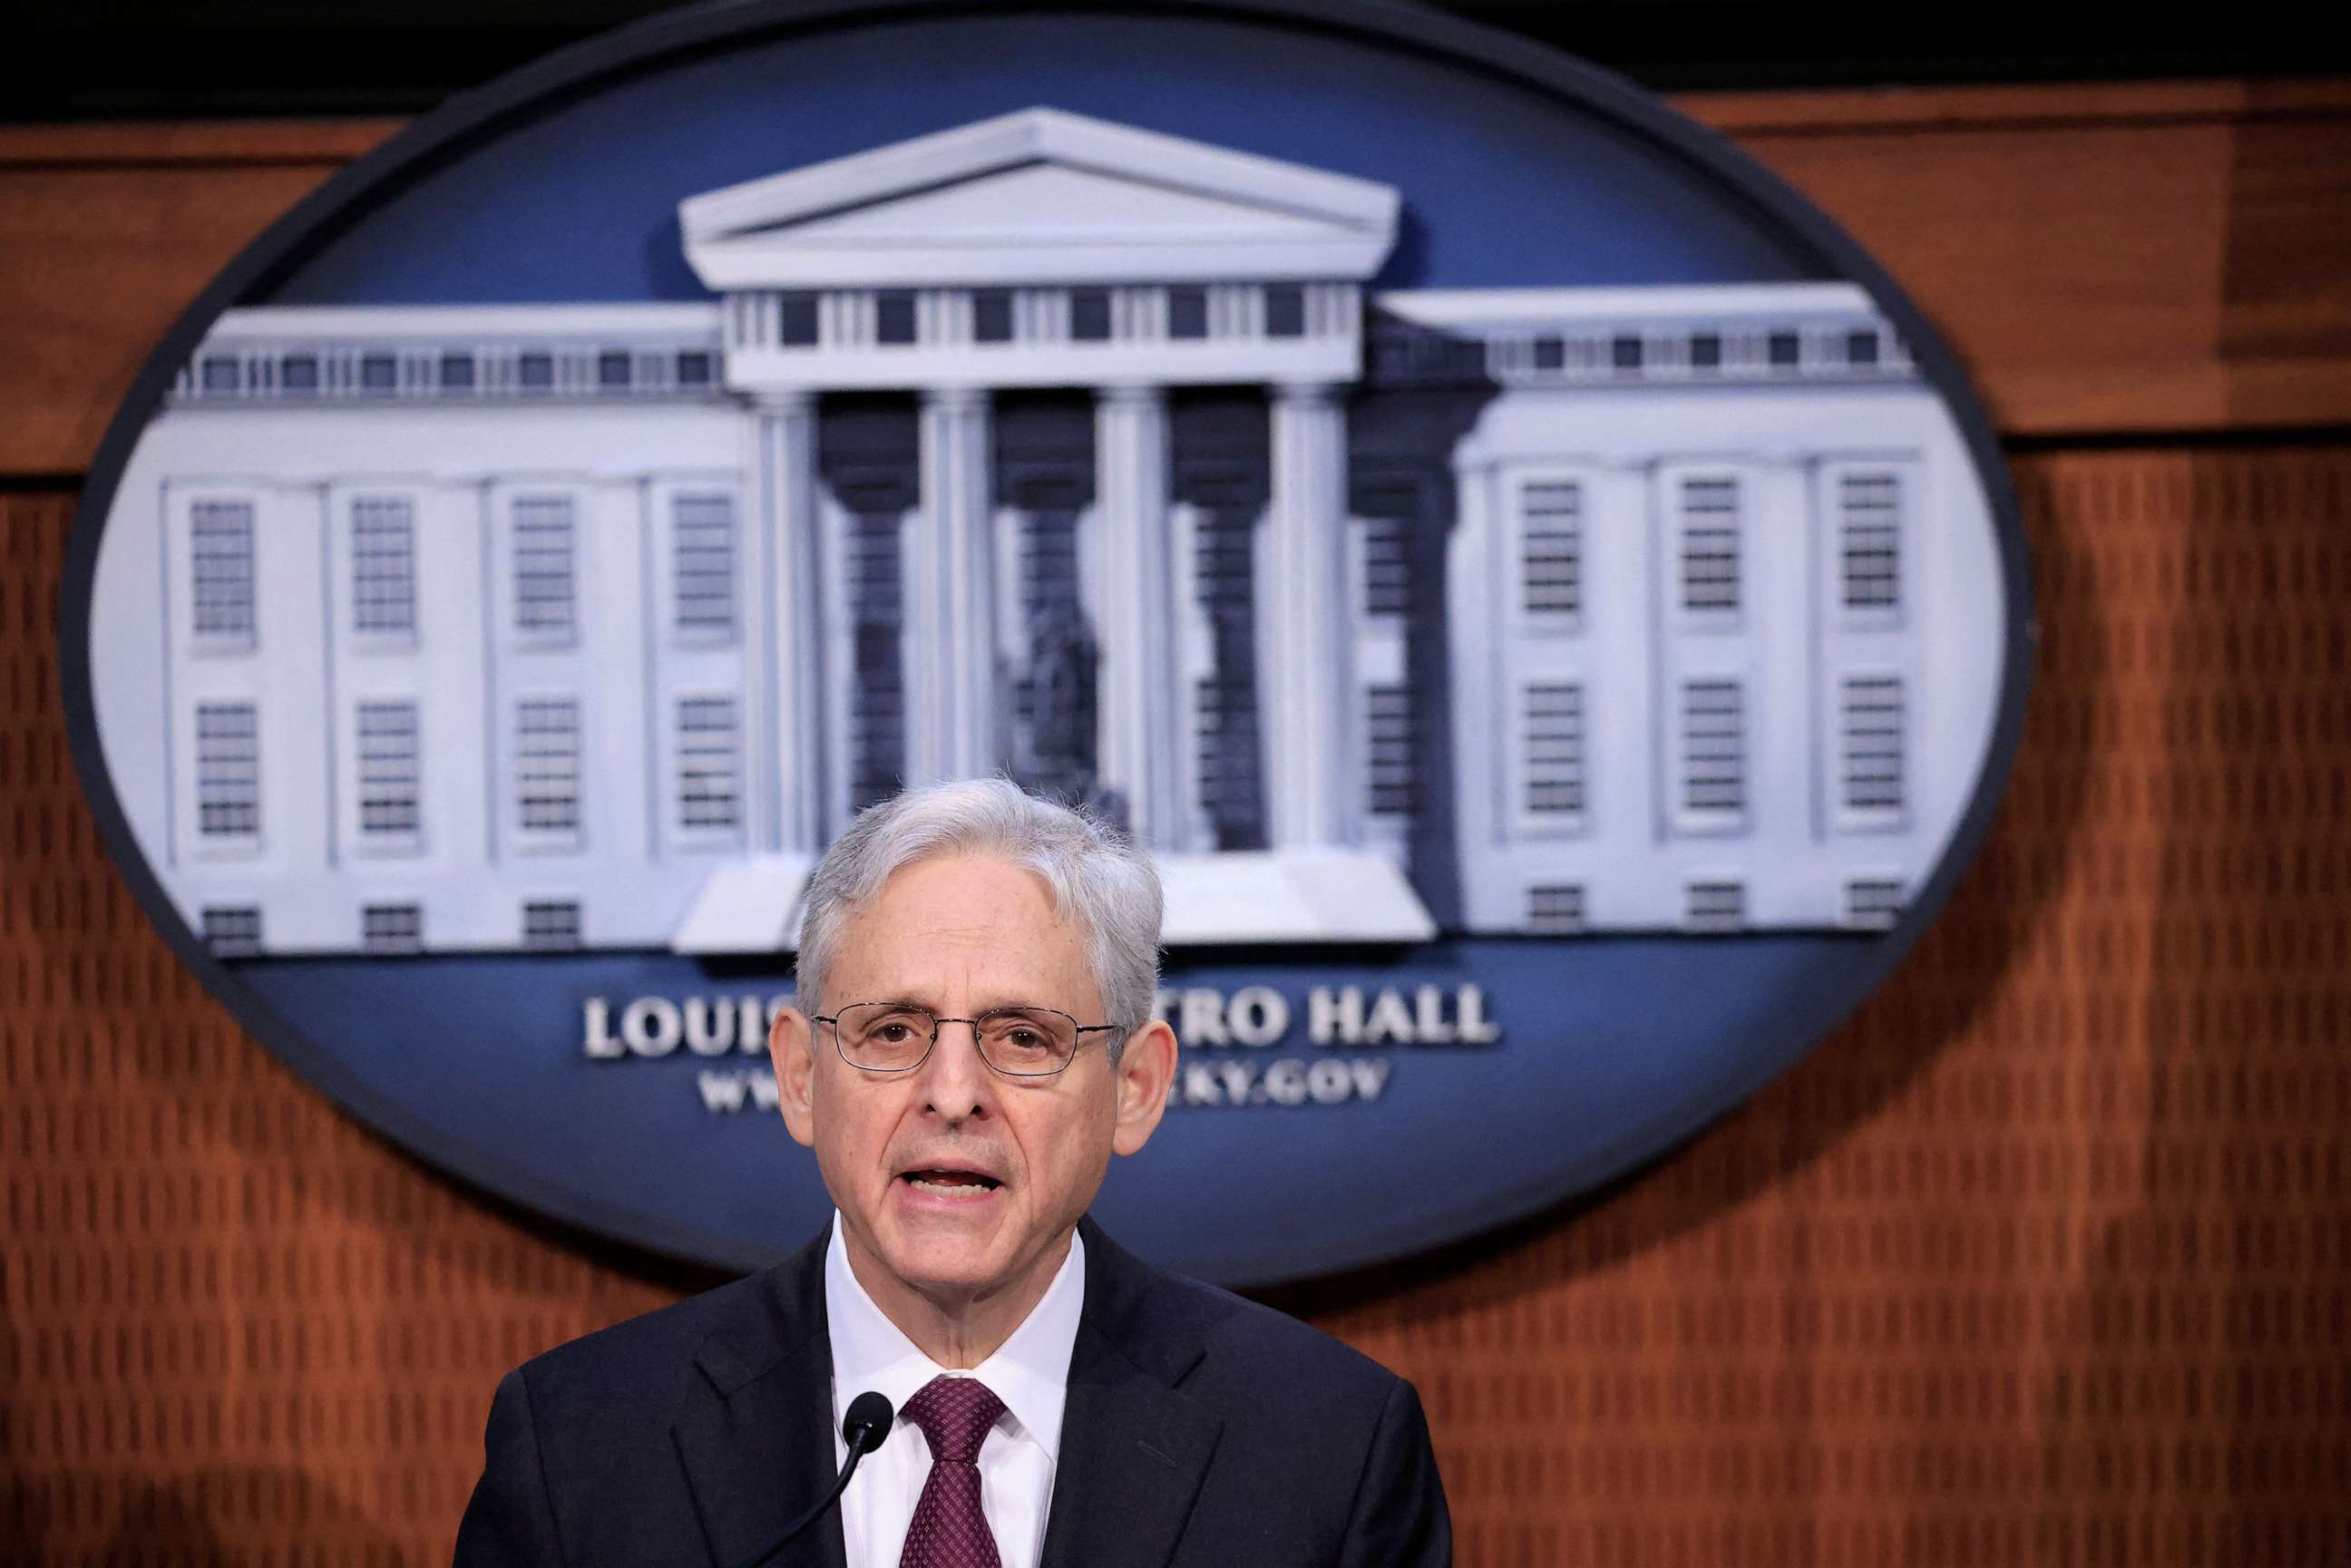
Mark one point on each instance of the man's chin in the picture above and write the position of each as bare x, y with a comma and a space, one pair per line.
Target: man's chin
951, 1277
952, 1251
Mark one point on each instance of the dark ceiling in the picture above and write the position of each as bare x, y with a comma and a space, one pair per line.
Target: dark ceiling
113, 58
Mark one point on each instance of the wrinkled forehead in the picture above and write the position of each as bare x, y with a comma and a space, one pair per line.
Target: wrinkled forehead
974, 926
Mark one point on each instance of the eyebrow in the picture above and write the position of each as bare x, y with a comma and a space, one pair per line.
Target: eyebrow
933, 1008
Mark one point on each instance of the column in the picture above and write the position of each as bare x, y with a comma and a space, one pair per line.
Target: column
791, 771
1307, 688
1492, 894
1144, 757
950, 642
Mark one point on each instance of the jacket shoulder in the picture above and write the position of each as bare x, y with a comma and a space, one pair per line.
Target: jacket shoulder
730, 1331
1247, 1333
1245, 1349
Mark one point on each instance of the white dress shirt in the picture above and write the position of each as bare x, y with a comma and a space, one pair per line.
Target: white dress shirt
1030, 1372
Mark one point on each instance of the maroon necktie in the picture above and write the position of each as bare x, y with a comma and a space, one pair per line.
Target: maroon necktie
948, 1530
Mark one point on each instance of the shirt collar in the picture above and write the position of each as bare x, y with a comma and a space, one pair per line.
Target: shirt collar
1029, 1370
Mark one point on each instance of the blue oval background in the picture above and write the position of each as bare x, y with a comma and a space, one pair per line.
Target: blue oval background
1612, 1049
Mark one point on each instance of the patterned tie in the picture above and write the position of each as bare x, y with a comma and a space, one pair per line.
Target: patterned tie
948, 1530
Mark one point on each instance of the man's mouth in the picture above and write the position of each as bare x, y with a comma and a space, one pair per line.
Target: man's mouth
948, 1181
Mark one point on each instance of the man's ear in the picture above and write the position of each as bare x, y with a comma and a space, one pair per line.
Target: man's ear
1145, 1070
790, 1047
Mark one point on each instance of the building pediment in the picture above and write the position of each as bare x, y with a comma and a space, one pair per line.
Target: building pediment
1039, 197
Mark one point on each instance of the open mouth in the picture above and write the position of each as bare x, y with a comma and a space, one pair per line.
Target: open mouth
950, 1183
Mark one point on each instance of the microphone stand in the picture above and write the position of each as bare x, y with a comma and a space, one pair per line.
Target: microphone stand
867, 1423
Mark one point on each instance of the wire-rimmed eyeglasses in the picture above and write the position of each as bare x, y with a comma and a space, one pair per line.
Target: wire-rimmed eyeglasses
897, 1037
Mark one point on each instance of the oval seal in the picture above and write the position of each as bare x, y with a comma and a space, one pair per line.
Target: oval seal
1548, 601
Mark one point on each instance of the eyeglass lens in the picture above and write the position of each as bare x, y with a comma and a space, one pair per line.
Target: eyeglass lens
892, 1036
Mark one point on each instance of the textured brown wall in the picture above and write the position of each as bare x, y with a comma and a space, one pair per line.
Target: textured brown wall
2045, 1258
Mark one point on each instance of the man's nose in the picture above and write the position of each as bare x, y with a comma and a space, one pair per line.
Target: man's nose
957, 1082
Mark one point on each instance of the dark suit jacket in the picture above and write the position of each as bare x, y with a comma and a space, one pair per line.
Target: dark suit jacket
1202, 1431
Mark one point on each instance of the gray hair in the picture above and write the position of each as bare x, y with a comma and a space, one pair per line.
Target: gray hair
1099, 881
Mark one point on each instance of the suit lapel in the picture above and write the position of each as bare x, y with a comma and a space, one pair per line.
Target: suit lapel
1133, 1449
757, 1449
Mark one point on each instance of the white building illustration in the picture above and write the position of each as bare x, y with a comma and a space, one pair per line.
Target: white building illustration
1057, 447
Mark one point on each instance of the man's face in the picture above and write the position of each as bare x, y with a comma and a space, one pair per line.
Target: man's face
958, 1181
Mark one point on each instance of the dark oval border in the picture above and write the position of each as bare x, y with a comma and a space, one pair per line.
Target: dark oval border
444, 133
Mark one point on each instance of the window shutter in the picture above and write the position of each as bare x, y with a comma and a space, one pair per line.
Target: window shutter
546, 764
709, 765
702, 541
221, 569
1871, 720
228, 771
1714, 748
1709, 546
388, 770
383, 565
1869, 542
1553, 716
1552, 547
546, 567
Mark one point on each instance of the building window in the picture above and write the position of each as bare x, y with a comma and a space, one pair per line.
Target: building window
1715, 906
228, 771
874, 589
1285, 310
536, 372
615, 369
383, 565
550, 925
1390, 505
221, 569
1055, 752
457, 372
991, 316
1554, 752
1229, 756
1709, 546
388, 770
1392, 779
1714, 753
1551, 547
1550, 353
298, 372
379, 374
1555, 909
702, 541
1869, 541
695, 368
1869, 729
1624, 352
1090, 316
545, 569
1873, 903
1187, 314
709, 765
1387, 584
222, 373
546, 764
232, 930
1705, 351
893, 316
1784, 350
391, 927
795, 320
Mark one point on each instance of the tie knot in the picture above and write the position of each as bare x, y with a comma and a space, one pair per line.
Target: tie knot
954, 1413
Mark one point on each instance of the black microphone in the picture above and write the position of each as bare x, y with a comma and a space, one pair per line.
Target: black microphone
867, 1423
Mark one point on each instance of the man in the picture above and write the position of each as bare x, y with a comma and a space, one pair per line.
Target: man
974, 1040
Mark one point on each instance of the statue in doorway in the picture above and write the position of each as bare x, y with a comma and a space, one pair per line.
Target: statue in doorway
1059, 758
